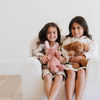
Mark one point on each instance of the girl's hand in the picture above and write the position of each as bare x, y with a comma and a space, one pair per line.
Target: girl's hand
45, 59
61, 59
76, 59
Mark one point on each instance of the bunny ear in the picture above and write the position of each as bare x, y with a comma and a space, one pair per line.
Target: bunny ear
55, 45
47, 44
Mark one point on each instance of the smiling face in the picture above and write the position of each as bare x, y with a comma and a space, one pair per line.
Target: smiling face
52, 34
77, 30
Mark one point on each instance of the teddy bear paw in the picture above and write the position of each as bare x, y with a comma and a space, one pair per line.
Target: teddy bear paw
75, 65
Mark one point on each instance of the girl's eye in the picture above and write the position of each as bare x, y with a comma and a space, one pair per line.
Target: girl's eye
48, 32
54, 32
78, 27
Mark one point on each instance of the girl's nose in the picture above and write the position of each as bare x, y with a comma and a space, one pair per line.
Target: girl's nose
76, 30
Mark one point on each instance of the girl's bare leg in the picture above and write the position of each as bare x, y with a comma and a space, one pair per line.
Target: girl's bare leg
70, 84
56, 87
80, 84
47, 84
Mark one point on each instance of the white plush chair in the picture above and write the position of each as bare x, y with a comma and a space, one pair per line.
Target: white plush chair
33, 84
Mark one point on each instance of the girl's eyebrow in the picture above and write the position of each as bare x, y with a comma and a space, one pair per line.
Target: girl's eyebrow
72, 27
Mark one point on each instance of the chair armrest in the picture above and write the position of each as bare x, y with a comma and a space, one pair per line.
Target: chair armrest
92, 79
93, 69
31, 66
31, 78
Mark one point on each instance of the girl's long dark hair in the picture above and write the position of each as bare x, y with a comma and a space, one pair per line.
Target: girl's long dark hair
43, 32
80, 20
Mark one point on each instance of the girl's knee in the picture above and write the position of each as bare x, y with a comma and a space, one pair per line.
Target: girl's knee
81, 73
71, 73
59, 77
47, 77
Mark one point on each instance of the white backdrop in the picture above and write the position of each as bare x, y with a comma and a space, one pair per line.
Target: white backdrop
21, 20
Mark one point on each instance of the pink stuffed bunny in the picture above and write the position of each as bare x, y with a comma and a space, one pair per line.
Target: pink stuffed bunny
53, 64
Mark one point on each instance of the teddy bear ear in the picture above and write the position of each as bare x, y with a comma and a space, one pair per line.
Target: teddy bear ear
67, 47
55, 45
47, 44
85, 47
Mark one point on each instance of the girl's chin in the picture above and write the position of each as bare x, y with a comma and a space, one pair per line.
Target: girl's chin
76, 36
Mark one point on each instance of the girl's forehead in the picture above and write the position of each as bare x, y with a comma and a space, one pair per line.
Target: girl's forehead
75, 24
52, 28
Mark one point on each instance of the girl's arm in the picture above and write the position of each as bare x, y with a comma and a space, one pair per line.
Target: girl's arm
59, 55
91, 53
45, 59
76, 59
92, 50
65, 52
61, 59
38, 52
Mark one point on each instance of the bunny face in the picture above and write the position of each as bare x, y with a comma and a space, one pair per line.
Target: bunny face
51, 51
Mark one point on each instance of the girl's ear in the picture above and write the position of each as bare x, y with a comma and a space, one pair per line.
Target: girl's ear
47, 44
85, 47
55, 45
67, 47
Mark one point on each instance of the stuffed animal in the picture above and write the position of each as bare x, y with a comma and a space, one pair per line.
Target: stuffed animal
53, 64
77, 49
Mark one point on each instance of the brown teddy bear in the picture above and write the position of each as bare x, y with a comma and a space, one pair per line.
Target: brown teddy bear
77, 49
